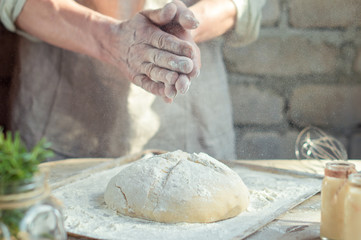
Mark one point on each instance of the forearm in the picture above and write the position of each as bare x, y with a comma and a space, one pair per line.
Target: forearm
215, 16
65, 24
148, 56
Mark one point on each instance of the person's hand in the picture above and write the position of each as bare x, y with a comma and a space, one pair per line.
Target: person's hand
150, 57
147, 55
183, 21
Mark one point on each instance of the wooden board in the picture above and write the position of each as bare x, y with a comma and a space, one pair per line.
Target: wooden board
305, 186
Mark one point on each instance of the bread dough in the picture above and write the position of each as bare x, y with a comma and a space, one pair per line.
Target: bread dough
178, 187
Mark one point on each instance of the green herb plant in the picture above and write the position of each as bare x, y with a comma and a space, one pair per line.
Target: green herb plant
18, 165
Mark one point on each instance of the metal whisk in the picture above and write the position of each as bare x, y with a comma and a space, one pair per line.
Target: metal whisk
313, 143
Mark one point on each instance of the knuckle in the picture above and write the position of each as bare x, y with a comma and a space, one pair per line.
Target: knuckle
147, 84
147, 68
158, 56
154, 73
169, 42
157, 73
137, 80
161, 41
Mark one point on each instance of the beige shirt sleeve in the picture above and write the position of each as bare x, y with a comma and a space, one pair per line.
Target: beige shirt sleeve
246, 30
9, 11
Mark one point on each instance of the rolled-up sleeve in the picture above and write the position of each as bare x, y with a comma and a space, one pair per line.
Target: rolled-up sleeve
246, 30
9, 12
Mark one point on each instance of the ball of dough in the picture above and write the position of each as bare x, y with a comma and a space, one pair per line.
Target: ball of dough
178, 187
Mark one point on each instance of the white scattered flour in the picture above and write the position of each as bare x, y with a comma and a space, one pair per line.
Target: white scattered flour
86, 213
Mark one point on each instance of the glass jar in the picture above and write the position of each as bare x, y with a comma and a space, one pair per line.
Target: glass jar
333, 194
28, 212
352, 229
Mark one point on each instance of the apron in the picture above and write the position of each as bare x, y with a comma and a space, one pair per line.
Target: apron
86, 108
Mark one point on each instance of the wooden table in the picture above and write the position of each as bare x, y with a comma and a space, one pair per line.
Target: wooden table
301, 222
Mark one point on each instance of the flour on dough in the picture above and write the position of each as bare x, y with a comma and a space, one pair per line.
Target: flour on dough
178, 187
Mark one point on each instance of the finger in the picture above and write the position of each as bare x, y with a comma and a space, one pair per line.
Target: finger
194, 74
156, 88
175, 10
161, 16
170, 91
167, 100
169, 61
196, 64
182, 84
159, 74
162, 40
184, 16
196, 69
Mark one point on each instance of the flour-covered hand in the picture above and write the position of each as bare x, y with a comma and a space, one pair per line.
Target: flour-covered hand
150, 57
181, 22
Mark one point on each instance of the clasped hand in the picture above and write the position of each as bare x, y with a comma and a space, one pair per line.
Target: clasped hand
157, 50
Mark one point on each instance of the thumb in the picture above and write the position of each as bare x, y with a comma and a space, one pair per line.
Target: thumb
184, 16
161, 16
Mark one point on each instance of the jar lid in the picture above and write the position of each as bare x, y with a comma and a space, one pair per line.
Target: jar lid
339, 169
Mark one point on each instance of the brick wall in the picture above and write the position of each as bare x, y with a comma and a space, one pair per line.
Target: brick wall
305, 69
7, 57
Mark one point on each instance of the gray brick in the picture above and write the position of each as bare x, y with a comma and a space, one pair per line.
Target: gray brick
355, 146
324, 13
357, 62
265, 144
254, 106
286, 56
271, 13
326, 105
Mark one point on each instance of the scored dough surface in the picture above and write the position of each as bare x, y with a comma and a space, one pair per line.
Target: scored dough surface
178, 187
